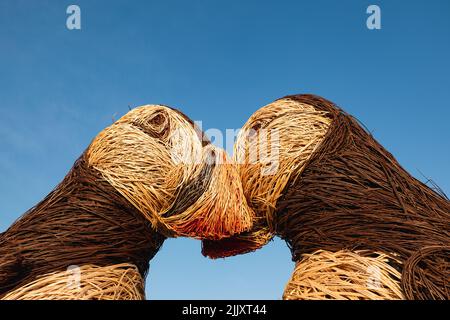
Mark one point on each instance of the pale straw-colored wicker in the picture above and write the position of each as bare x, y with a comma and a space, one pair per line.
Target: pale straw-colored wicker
275, 143
136, 157
272, 146
156, 159
89, 282
344, 275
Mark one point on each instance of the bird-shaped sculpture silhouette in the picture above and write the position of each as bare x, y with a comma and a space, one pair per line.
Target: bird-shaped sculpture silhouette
358, 225
150, 175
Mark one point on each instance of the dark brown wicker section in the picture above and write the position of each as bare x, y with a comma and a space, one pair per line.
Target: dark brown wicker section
83, 221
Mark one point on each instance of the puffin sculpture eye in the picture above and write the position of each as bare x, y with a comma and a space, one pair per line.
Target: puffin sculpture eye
254, 129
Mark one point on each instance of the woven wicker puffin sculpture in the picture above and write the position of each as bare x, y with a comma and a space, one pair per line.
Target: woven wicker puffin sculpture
358, 225
149, 176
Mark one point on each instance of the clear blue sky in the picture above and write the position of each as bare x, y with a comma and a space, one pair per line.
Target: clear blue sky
218, 61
